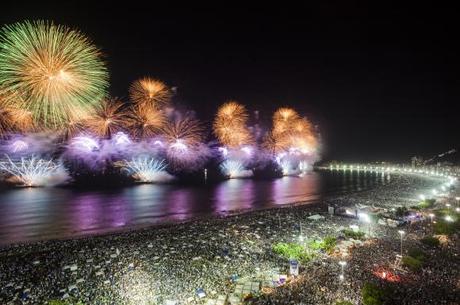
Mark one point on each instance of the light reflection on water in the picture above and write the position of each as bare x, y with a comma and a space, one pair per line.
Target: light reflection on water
42, 213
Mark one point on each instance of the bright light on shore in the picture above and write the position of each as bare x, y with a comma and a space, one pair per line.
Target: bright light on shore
364, 217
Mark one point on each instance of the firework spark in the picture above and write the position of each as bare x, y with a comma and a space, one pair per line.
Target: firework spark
34, 171
147, 169
149, 92
51, 71
109, 117
230, 125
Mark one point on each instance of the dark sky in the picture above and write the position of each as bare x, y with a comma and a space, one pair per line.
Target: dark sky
381, 82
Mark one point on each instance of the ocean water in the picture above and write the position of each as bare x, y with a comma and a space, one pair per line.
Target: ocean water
31, 214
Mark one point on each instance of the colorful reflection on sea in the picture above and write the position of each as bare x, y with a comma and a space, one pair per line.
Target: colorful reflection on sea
31, 214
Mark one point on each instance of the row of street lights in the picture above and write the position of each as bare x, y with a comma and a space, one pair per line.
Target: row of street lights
366, 219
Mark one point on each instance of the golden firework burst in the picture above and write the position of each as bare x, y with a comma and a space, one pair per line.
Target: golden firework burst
149, 92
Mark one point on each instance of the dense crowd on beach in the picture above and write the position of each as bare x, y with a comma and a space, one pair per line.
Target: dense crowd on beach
201, 259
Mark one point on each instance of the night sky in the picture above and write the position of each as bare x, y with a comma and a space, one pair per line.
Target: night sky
381, 82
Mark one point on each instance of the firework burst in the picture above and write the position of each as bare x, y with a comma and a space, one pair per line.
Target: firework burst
151, 92
291, 133
183, 133
13, 119
275, 144
34, 171
51, 71
183, 138
235, 169
146, 122
147, 169
6, 122
230, 125
109, 117
283, 120
292, 141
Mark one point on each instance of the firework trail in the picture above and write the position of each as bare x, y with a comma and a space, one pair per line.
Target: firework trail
34, 171
51, 71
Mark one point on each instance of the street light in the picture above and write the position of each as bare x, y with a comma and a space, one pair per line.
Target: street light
401, 232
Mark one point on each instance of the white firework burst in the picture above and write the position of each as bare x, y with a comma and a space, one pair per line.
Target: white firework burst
147, 169
34, 171
235, 169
